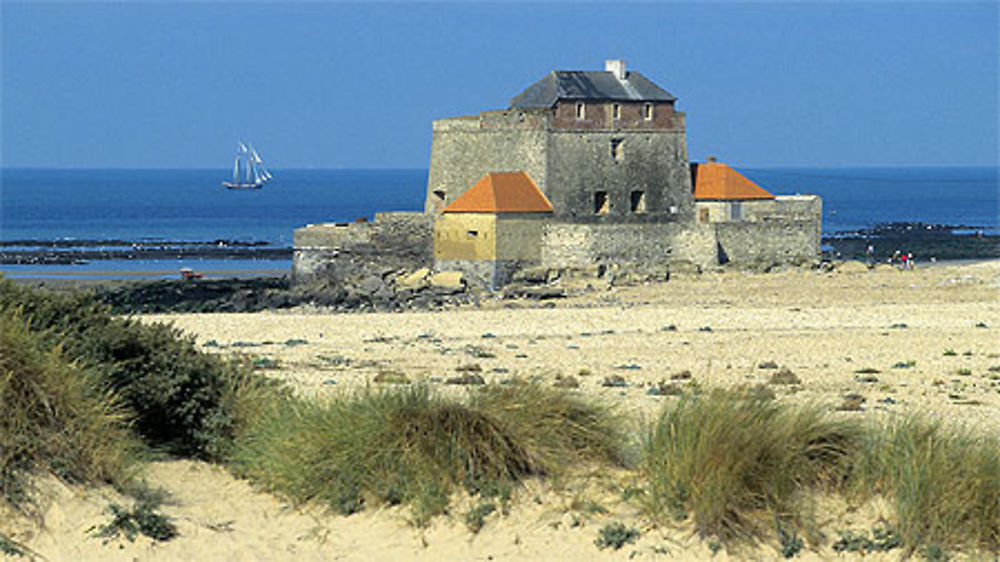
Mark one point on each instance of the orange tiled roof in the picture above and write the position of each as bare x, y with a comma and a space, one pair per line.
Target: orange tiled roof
716, 180
502, 192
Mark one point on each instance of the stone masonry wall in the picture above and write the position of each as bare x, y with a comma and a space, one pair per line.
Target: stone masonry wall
580, 164
584, 245
465, 149
770, 242
391, 241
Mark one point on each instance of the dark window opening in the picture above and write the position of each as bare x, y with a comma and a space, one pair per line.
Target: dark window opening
439, 194
638, 202
616, 111
579, 111
648, 114
473, 233
601, 204
616, 149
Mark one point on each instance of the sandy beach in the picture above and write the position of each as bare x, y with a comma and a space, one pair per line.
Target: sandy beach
923, 341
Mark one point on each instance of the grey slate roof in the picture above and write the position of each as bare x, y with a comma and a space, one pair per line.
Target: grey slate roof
588, 85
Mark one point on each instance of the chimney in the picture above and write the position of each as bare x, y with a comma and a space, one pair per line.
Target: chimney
616, 67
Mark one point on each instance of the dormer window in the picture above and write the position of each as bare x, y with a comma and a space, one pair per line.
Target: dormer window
647, 112
616, 111
580, 113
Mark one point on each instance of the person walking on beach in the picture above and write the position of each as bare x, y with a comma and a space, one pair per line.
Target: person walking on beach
909, 260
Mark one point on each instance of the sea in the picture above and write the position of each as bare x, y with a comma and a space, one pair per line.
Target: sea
191, 206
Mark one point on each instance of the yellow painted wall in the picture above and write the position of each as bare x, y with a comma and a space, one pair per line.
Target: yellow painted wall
519, 237
465, 236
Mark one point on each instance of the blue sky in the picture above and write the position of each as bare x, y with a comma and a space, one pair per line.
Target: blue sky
343, 85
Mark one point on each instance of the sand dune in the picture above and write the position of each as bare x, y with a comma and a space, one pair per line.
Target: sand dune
931, 335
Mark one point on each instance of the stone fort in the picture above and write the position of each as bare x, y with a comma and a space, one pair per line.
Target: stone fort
585, 171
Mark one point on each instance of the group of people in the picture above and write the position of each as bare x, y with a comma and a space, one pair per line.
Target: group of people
903, 260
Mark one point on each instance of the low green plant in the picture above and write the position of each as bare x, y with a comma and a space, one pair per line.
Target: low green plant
733, 461
615, 535
409, 445
142, 519
475, 518
791, 543
785, 376
950, 352
883, 539
10, 547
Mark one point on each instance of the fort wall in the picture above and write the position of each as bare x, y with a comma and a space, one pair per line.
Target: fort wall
393, 240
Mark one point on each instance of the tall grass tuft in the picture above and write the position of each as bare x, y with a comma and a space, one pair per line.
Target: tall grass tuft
738, 464
56, 417
943, 482
412, 446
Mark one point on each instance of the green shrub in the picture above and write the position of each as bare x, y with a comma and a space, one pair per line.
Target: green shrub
475, 518
55, 417
943, 482
615, 535
142, 519
406, 445
735, 462
174, 390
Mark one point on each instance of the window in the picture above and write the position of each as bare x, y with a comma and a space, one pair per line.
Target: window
702, 215
647, 112
601, 205
473, 233
736, 211
616, 111
580, 112
637, 202
616, 149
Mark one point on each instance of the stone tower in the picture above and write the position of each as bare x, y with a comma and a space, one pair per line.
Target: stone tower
603, 146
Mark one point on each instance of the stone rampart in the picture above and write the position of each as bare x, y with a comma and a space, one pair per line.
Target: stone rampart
768, 242
574, 245
339, 250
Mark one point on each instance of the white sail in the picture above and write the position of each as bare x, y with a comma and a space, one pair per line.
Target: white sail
254, 174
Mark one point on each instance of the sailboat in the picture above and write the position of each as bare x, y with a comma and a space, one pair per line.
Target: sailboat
248, 169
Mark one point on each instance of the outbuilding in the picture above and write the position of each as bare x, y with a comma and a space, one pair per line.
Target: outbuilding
493, 229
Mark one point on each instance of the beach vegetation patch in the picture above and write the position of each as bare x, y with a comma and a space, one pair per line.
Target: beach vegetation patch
142, 519
57, 418
785, 376
615, 536
176, 394
409, 445
943, 482
475, 518
883, 539
734, 462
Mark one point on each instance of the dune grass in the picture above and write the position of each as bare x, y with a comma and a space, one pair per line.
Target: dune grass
175, 392
740, 465
410, 445
743, 469
56, 417
942, 481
